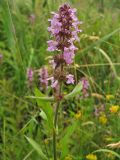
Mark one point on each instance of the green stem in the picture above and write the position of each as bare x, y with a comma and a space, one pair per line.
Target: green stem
55, 120
54, 130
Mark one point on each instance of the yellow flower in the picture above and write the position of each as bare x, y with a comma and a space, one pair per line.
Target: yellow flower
114, 109
109, 97
68, 157
78, 115
91, 157
103, 119
46, 141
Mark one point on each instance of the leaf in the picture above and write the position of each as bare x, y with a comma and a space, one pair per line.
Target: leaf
37, 148
88, 123
108, 151
65, 140
75, 91
43, 115
28, 155
44, 98
45, 106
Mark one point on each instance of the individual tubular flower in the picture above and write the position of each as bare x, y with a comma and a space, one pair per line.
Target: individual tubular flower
55, 24
55, 86
68, 55
30, 76
70, 79
52, 45
43, 77
54, 83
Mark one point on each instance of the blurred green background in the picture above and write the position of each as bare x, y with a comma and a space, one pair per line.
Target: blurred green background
23, 36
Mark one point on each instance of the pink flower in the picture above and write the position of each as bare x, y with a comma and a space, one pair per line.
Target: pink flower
64, 27
54, 84
72, 11
75, 36
55, 24
68, 55
52, 45
85, 83
44, 77
85, 86
30, 74
70, 79
72, 47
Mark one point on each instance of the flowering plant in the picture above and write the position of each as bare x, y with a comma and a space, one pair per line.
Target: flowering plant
64, 29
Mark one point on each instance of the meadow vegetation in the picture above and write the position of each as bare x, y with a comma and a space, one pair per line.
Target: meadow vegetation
88, 123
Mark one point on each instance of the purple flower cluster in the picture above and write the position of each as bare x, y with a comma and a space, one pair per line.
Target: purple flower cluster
85, 87
64, 27
30, 76
43, 77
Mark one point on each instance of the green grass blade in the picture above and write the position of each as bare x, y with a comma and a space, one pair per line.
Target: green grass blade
101, 40
37, 148
75, 91
108, 151
109, 60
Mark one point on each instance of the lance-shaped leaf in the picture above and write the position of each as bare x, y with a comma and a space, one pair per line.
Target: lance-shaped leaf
43, 98
45, 106
66, 139
75, 91
37, 147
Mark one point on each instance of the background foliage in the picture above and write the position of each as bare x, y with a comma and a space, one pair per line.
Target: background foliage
23, 36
